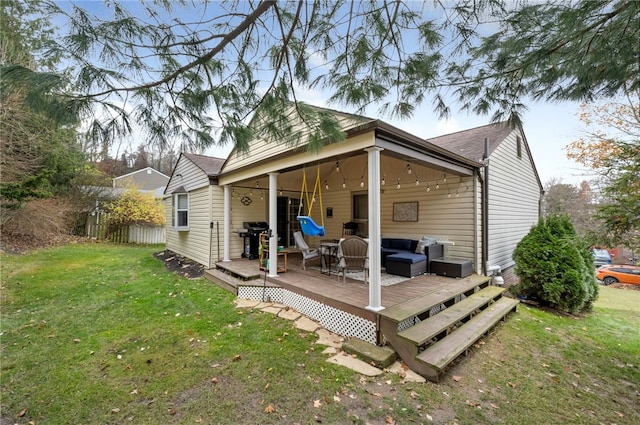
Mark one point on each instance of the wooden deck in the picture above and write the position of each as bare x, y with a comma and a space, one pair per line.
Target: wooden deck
351, 296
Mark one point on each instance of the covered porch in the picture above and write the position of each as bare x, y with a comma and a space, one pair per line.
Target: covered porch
368, 180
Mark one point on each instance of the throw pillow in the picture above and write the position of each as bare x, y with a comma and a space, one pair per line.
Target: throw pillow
430, 241
421, 245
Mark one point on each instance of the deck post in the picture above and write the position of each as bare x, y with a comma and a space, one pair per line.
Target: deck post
375, 291
227, 225
273, 224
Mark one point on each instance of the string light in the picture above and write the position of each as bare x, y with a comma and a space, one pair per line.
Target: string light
428, 187
383, 180
437, 185
417, 181
362, 181
444, 179
408, 168
398, 185
326, 185
337, 167
344, 183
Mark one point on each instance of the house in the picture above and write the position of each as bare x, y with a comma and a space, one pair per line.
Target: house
146, 179
476, 191
454, 177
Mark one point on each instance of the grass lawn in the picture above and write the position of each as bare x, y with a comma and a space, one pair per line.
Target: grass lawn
97, 333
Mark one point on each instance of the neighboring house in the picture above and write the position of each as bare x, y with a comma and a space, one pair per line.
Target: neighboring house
480, 198
146, 179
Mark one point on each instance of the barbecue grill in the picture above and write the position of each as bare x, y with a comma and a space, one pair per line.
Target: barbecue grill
251, 234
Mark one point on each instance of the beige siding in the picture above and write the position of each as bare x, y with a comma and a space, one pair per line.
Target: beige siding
514, 196
440, 216
477, 195
192, 243
256, 211
187, 175
257, 166
217, 218
263, 149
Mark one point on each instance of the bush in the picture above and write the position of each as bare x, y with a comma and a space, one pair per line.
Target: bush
555, 267
134, 207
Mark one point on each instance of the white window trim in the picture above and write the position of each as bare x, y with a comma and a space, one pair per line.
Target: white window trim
176, 210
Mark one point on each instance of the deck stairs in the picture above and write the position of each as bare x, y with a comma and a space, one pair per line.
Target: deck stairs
430, 332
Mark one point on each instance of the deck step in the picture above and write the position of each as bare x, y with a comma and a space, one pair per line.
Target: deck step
440, 354
418, 306
230, 282
439, 323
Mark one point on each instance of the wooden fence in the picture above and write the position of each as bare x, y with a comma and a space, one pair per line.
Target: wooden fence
97, 227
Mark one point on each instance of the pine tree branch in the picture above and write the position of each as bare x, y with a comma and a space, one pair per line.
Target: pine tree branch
262, 8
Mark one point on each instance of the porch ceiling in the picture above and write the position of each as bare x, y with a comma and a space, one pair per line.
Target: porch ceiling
351, 169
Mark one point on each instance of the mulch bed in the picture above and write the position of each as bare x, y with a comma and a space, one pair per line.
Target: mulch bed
180, 264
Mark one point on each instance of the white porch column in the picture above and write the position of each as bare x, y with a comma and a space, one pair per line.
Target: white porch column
227, 224
273, 224
375, 294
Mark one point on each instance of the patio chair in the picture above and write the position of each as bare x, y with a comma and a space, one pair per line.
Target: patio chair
354, 256
307, 253
349, 229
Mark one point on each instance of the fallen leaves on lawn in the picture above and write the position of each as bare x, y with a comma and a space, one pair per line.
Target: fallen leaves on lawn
21, 413
473, 403
389, 420
317, 403
269, 409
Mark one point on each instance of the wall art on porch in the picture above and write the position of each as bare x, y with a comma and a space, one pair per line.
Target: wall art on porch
405, 211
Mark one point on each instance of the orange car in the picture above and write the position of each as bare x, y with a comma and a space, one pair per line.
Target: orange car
618, 273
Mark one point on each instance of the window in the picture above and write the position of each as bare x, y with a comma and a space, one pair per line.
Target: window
181, 211
519, 146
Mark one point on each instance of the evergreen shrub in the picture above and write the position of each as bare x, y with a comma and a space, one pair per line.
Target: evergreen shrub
555, 267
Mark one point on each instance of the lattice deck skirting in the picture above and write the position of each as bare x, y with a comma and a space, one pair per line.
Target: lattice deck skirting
331, 318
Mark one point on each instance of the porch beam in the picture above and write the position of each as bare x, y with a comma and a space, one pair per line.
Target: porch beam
227, 224
431, 160
375, 286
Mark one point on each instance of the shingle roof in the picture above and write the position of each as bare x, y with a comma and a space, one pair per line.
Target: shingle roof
470, 143
210, 165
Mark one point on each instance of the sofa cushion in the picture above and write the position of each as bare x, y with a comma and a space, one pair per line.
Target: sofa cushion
406, 257
400, 244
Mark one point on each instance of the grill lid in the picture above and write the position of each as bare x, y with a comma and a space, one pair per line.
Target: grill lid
255, 225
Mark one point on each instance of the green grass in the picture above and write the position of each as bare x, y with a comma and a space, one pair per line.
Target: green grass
94, 333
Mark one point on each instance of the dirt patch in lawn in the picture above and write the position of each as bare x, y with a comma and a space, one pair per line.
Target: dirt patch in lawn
180, 264
626, 286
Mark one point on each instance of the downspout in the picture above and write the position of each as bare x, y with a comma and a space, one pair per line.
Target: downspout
485, 208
